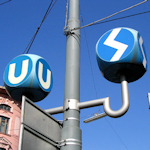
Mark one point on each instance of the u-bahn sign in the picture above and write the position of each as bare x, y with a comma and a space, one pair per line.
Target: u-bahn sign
28, 75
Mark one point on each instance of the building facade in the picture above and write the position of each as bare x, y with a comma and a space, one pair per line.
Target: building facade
10, 121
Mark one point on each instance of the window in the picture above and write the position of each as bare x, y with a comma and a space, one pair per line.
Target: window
4, 124
5, 107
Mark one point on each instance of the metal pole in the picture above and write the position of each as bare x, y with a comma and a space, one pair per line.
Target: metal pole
71, 133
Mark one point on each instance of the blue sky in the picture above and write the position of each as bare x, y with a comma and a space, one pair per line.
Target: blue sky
19, 21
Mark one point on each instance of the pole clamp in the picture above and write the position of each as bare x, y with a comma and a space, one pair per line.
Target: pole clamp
71, 118
70, 142
71, 104
67, 31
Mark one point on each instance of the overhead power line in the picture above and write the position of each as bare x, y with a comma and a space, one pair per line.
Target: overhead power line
5, 2
95, 87
33, 38
67, 3
123, 17
93, 23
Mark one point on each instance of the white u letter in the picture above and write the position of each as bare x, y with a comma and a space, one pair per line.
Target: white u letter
46, 84
11, 75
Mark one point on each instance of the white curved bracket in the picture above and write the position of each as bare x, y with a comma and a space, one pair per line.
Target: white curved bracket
106, 104
125, 101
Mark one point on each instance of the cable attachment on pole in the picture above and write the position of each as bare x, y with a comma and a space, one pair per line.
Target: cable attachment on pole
67, 31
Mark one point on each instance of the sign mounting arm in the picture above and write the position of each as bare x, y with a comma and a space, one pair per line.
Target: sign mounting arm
106, 103
103, 101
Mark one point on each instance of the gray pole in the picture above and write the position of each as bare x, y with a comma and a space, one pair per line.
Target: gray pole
71, 133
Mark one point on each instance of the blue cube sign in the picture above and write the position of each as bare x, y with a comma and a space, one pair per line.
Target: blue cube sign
116, 45
28, 75
121, 51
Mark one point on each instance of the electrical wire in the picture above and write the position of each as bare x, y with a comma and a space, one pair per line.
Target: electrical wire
110, 15
67, 3
90, 65
33, 38
116, 134
5, 2
95, 87
123, 17
89, 57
